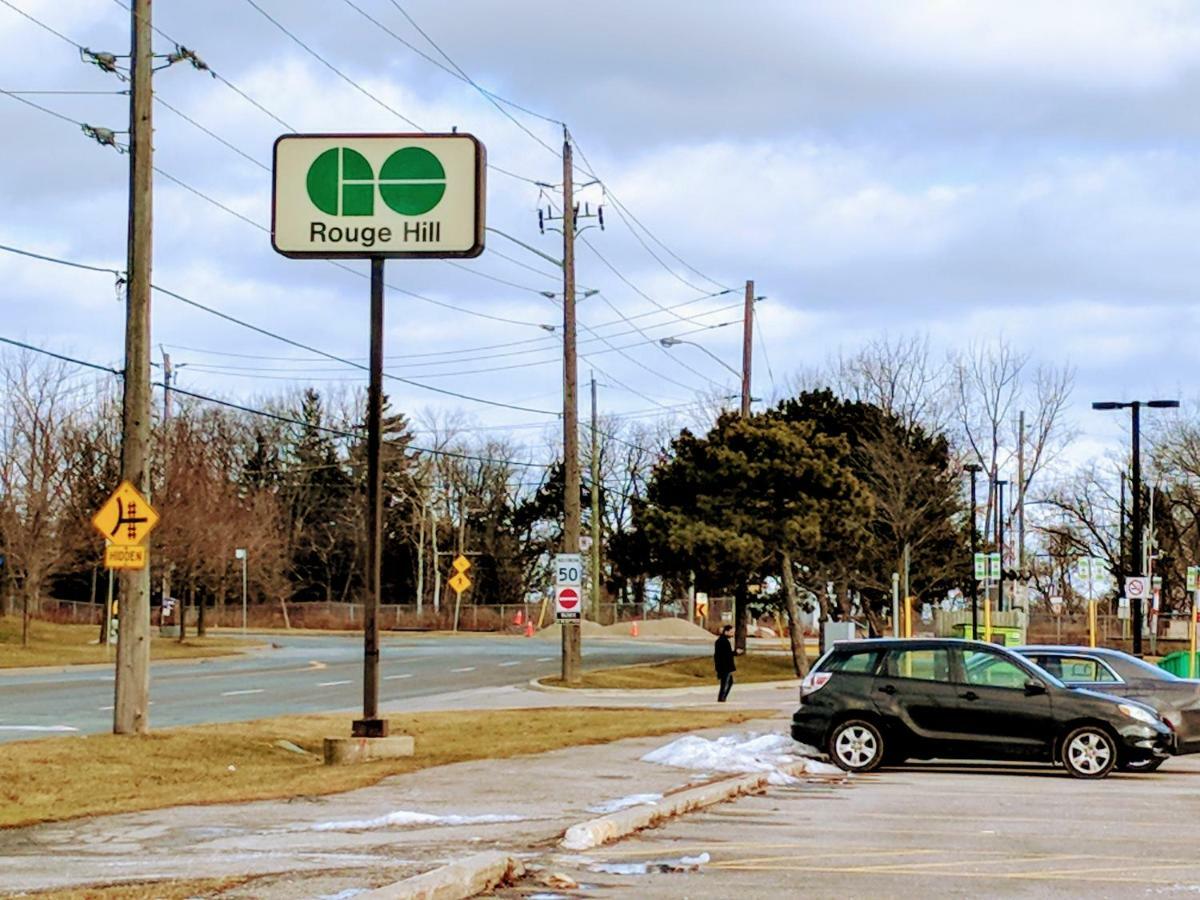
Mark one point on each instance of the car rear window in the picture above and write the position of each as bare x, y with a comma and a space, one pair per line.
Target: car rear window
861, 662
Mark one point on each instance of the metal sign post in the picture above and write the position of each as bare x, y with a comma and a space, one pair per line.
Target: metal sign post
377, 196
240, 553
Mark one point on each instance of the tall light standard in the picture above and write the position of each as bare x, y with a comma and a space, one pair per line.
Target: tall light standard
1137, 563
974, 469
240, 553
1000, 484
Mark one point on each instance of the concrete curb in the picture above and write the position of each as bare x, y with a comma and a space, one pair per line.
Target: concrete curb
650, 693
595, 832
456, 881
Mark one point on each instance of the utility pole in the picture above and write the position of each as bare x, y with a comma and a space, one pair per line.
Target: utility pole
1021, 495
747, 346
571, 631
1138, 561
974, 469
1000, 542
131, 703
595, 508
741, 597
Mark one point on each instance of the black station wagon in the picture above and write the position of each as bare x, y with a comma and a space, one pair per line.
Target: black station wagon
880, 702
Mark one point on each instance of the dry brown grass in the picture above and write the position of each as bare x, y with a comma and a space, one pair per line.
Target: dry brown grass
51, 644
692, 672
63, 778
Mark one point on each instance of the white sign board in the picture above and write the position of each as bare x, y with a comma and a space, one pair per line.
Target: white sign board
378, 195
1137, 587
568, 586
1056, 605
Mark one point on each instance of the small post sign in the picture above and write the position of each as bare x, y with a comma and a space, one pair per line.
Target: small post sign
994, 566
568, 587
1193, 578
378, 195
981, 566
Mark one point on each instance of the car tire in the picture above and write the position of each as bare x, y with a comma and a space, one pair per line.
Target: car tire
1142, 765
856, 745
1088, 752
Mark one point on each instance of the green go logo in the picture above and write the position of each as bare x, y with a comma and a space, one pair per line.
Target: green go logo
411, 182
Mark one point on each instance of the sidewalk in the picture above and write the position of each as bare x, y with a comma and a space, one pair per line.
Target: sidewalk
315, 846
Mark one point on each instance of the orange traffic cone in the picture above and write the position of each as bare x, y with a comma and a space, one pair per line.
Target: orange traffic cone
633, 629
529, 629
519, 618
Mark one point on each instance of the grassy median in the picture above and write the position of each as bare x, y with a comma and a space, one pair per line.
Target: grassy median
51, 644
63, 778
692, 672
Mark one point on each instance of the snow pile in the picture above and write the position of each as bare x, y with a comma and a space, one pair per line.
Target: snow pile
612, 806
744, 753
404, 817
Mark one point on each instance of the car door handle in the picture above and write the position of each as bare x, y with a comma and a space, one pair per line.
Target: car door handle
969, 695
888, 689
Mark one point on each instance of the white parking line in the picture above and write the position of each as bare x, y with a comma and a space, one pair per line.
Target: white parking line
333, 683
464, 669
511, 662
394, 677
240, 693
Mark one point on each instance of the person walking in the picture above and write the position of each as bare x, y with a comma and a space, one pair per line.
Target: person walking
723, 663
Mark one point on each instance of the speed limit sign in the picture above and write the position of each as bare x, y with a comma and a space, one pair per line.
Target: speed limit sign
568, 586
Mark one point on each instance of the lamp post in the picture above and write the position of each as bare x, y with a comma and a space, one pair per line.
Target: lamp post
1000, 484
240, 553
1137, 562
674, 341
974, 469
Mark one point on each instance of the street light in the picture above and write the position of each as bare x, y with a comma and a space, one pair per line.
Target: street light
240, 553
674, 341
1139, 564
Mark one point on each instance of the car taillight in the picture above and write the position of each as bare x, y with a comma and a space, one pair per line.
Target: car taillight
813, 682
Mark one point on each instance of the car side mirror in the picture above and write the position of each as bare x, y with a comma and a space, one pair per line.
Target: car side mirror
1033, 688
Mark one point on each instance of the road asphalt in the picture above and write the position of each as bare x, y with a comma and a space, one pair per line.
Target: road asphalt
303, 673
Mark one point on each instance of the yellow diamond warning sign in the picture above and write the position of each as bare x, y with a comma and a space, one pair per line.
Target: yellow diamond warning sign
461, 563
127, 519
460, 582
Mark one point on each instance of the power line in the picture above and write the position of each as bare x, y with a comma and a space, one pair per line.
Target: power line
261, 412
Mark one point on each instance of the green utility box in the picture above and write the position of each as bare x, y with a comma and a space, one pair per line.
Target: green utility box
1004, 635
1177, 663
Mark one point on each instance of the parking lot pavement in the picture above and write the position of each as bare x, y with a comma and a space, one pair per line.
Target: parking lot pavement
929, 830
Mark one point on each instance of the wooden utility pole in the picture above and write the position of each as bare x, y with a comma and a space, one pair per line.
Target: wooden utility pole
747, 346
571, 631
595, 509
131, 704
741, 598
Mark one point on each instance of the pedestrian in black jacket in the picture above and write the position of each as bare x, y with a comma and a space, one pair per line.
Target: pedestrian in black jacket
723, 663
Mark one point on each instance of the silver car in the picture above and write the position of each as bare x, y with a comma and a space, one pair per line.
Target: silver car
1177, 700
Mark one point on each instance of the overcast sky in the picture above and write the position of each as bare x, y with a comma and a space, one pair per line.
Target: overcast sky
962, 169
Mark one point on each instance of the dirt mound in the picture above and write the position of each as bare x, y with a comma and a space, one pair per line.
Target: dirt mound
554, 632
660, 628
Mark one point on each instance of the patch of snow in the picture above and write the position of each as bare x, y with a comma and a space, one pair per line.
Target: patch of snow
620, 868
344, 895
402, 818
695, 860
612, 806
740, 753
546, 896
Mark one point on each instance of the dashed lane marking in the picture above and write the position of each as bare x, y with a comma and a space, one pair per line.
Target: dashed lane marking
511, 662
394, 677
37, 728
464, 669
240, 693
333, 683
546, 658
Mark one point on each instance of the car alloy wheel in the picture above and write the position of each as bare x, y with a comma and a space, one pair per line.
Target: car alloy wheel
856, 746
1089, 752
